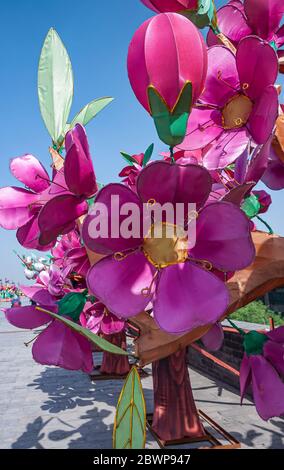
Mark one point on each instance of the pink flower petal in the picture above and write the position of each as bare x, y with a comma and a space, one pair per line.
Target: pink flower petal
245, 376
226, 148
264, 114
264, 16
30, 172
15, 207
26, 317
233, 24
203, 127
213, 340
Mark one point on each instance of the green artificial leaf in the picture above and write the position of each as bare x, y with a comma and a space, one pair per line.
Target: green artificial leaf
130, 160
204, 16
254, 343
251, 206
55, 85
130, 421
95, 339
171, 124
72, 304
148, 154
90, 111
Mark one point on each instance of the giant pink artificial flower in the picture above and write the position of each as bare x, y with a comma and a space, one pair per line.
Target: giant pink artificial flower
239, 102
98, 319
20, 208
263, 367
58, 345
237, 20
59, 215
141, 270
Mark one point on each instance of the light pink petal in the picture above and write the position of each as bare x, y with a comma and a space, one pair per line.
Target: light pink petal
257, 65
187, 297
30, 172
268, 388
213, 340
59, 346
226, 148
263, 116
204, 126
232, 22
127, 280
223, 237
222, 80
26, 317
16, 207
245, 376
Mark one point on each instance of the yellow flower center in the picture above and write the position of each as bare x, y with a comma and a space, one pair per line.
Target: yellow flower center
165, 244
236, 112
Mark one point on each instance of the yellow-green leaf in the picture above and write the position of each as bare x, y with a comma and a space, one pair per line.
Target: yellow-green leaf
130, 420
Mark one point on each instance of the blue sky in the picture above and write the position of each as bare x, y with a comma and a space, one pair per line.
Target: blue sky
96, 34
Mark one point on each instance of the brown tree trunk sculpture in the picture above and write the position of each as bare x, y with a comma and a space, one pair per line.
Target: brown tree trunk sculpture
175, 414
114, 364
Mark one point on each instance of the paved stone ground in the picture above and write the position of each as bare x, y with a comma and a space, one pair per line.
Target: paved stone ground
45, 407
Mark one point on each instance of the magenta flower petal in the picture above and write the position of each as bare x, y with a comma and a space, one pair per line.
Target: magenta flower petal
273, 177
280, 36
204, 126
224, 237
112, 195
259, 163
165, 182
274, 353
268, 388
276, 335
30, 172
222, 78
264, 114
213, 340
78, 167
15, 207
245, 376
257, 65
28, 236
226, 149
187, 297
122, 294
237, 194
58, 214
59, 346
26, 317
111, 325
240, 169
264, 16
39, 294
233, 24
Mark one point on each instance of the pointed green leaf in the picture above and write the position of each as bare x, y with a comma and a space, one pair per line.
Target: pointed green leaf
55, 85
204, 15
90, 111
102, 343
130, 160
148, 154
130, 421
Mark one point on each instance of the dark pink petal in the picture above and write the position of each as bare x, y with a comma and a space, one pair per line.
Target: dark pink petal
16, 205
26, 317
204, 126
112, 325
79, 259
30, 172
78, 166
257, 65
245, 376
226, 149
112, 196
240, 169
28, 236
259, 163
223, 237
187, 297
264, 16
264, 114
233, 24
276, 335
39, 295
274, 353
268, 388
280, 36
58, 214
165, 182
122, 294
213, 340
59, 346
222, 80
273, 177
